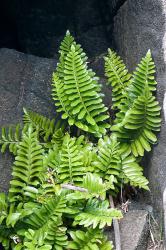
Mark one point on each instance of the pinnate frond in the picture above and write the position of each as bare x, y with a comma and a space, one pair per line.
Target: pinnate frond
71, 167
139, 124
76, 94
107, 162
51, 234
28, 166
10, 138
118, 77
93, 186
133, 173
97, 213
51, 209
143, 77
45, 126
92, 239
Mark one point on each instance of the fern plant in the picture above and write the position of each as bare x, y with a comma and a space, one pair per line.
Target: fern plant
63, 173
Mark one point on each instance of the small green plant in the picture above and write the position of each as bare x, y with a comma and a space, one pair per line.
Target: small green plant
64, 170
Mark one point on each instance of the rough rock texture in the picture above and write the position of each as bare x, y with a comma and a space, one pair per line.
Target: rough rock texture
139, 26
42, 24
24, 82
135, 223
134, 230
36, 27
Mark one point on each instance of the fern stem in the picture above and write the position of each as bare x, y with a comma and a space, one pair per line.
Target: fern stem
75, 188
116, 227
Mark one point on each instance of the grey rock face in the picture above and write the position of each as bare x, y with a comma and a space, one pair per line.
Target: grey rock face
139, 26
24, 82
36, 27
134, 230
41, 25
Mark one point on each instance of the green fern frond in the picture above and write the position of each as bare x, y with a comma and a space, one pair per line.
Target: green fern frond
97, 213
65, 47
5, 234
139, 124
62, 102
10, 138
51, 159
118, 77
57, 138
71, 167
83, 104
51, 234
57, 236
45, 126
132, 172
142, 77
92, 239
88, 156
51, 209
107, 162
28, 166
3, 208
66, 43
34, 243
64, 87
94, 186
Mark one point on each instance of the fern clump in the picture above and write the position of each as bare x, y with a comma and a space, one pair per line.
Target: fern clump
65, 170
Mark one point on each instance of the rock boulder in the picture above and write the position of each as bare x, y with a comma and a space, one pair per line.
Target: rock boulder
24, 82
139, 26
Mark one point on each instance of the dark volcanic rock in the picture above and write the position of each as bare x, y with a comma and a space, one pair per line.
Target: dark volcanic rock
42, 24
139, 26
94, 41
134, 230
24, 82
36, 27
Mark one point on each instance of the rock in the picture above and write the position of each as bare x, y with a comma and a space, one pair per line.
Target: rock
36, 27
41, 25
25, 82
164, 207
8, 29
86, 15
134, 230
97, 64
139, 26
94, 41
